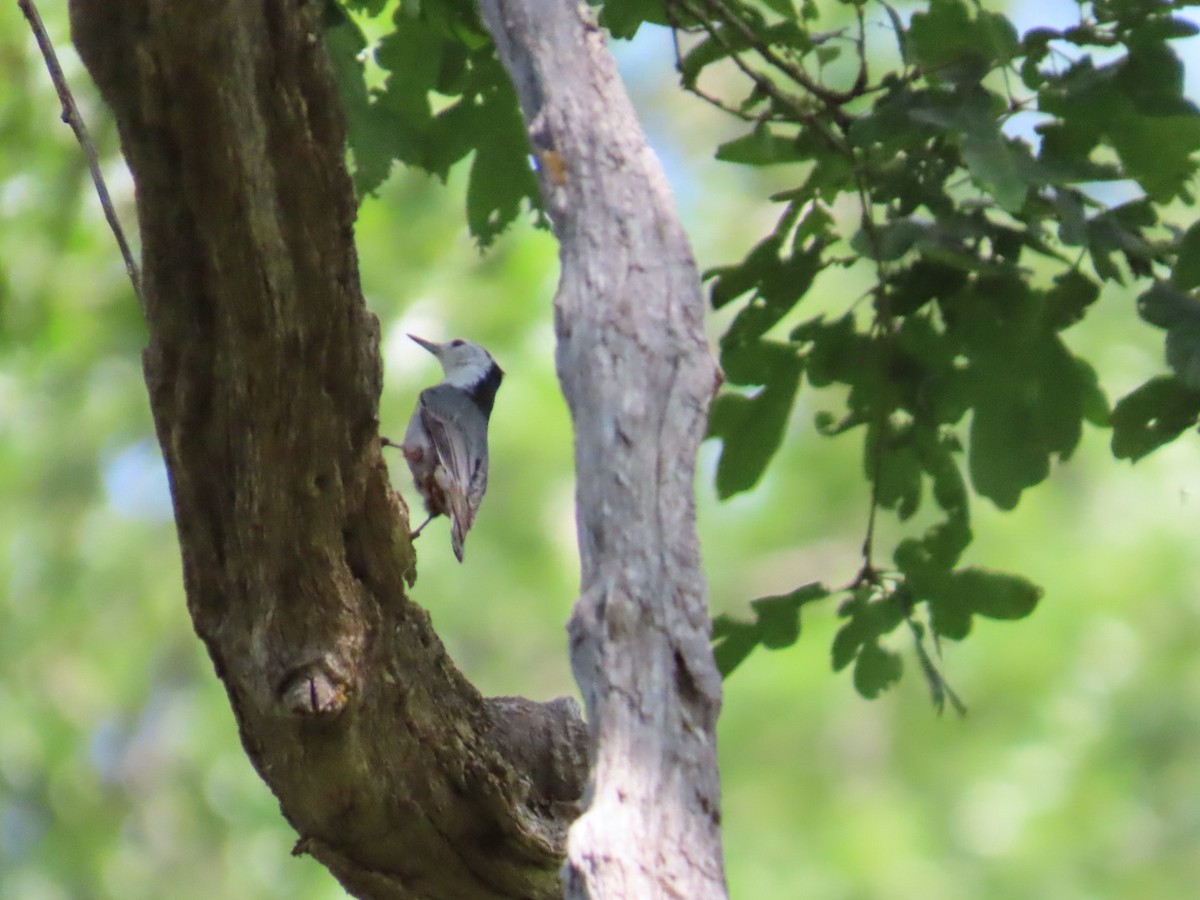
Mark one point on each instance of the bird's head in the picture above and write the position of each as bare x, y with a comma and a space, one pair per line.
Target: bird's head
465, 364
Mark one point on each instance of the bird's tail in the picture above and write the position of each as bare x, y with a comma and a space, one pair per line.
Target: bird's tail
462, 517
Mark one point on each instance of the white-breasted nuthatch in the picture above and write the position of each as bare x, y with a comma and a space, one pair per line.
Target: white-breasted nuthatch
446, 441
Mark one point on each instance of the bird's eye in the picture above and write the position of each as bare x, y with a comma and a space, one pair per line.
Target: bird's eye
457, 343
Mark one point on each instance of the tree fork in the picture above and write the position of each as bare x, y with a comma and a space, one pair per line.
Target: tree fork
264, 377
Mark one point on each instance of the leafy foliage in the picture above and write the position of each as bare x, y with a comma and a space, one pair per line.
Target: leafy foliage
983, 247
981, 239
445, 96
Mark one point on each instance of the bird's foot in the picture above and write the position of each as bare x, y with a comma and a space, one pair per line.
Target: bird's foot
413, 535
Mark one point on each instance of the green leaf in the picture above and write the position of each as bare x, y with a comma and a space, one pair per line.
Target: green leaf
779, 617
1002, 166
1123, 229
1163, 29
1094, 402
733, 642
949, 615
835, 347
831, 426
999, 35
761, 263
944, 40
939, 690
999, 165
924, 280
927, 561
623, 18
734, 281
895, 468
954, 597
779, 280
370, 130
1154, 414
888, 242
1072, 218
438, 49
1014, 434
1036, 42
870, 617
1066, 386
846, 644
501, 176
891, 125
1186, 274
1029, 394
1164, 305
876, 670
828, 53
776, 625
781, 286
779, 621
996, 595
1007, 453
754, 362
1073, 293
899, 30
762, 147
784, 7
937, 458
451, 136
1151, 76
751, 428
1164, 165
1183, 353
1137, 104
946, 541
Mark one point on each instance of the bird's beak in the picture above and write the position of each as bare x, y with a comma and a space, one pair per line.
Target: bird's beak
435, 349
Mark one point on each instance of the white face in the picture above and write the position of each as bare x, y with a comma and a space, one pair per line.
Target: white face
464, 363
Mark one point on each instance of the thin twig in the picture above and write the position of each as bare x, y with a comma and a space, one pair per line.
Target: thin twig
830, 98
768, 87
694, 88
883, 325
764, 84
861, 80
788, 102
70, 115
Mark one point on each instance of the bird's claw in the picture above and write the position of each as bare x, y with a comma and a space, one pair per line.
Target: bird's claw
413, 535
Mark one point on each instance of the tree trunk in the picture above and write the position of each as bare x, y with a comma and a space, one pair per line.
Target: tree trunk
264, 377
638, 376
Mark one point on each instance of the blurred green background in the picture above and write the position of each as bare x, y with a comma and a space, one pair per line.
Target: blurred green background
1076, 773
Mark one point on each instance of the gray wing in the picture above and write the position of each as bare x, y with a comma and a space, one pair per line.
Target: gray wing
458, 431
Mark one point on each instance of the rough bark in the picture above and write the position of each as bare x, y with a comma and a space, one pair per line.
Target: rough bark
264, 376
638, 377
